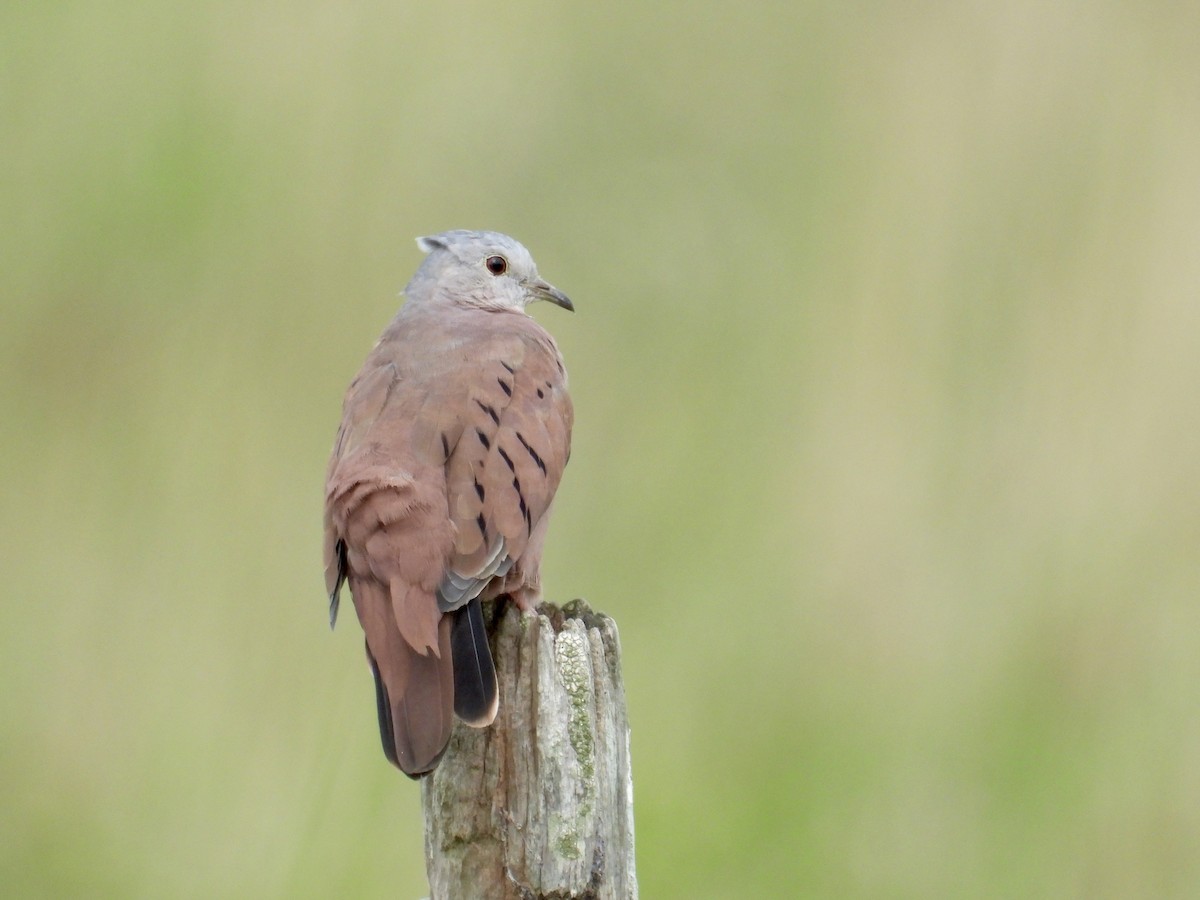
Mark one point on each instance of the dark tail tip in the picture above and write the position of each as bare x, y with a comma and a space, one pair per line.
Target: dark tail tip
335, 595
475, 695
334, 599
383, 707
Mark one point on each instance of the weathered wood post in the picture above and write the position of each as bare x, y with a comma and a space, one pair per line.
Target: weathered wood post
540, 804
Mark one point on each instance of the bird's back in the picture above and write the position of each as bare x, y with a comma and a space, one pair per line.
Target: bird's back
453, 439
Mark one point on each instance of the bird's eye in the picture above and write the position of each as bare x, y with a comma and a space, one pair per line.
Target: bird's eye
497, 265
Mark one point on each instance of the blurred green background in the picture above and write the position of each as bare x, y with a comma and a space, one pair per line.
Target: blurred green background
887, 457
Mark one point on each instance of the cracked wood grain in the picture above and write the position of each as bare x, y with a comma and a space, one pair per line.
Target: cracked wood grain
539, 805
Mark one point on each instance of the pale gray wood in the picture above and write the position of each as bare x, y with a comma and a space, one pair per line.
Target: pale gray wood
540, 804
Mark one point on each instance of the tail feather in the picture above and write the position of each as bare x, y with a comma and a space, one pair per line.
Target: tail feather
415, 704
476, 698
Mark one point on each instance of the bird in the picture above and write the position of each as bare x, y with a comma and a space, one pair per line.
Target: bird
452, 443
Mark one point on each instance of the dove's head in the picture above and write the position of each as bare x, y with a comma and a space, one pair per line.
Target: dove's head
483, 269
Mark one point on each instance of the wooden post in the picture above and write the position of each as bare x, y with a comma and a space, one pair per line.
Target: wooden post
540, 804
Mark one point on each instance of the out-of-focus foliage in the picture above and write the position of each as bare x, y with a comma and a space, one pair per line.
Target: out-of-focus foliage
887, 459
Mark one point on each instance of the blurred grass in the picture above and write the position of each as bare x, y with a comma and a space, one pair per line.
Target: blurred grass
886, 461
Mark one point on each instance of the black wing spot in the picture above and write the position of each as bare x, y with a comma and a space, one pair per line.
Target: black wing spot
490, 410
532, 453
479, 491
541, 394
525, 514
504, 386
445, 446
483, 439
507, 459
482, 523
511, 370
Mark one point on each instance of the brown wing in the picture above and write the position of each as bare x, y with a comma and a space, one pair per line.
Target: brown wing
500, 480
502, 475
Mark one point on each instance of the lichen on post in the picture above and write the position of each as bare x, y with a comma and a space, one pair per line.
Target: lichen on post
540, 804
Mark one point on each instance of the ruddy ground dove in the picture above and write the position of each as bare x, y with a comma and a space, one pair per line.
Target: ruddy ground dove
453, 439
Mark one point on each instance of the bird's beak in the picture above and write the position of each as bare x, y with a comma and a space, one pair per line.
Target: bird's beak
543, 291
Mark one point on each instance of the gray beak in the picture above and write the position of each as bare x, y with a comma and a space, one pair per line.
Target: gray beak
543, 291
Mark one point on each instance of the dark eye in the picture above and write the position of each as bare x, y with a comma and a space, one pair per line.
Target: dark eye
497, 265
